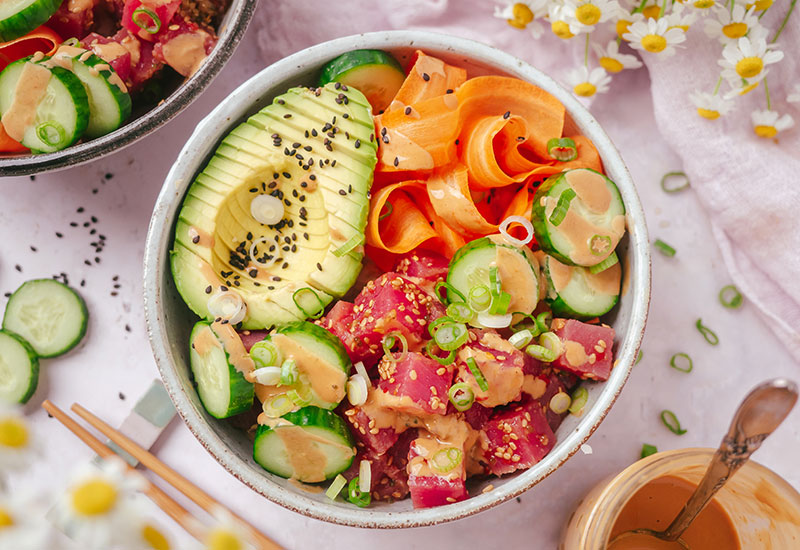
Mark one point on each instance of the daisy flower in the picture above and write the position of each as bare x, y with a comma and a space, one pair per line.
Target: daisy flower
728, 27
703, 4
22, 523
148, 535
767, 124
743, 87
710, 106
226, 534
760, 5
587, 84
681, 17
653, 11
613, 61
17, 445
747, 59
524, 15
97, 507
558, 23
584, 15
655, 37
794, 95
625, 21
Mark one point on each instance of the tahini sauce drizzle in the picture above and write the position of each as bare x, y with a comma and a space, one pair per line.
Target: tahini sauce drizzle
327, 380
186, 52
30, 90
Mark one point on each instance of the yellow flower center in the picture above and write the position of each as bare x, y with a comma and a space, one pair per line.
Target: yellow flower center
622, 27
760, 4
703, 4
13, 433
748, 67
684, 28
561, 30
220, 539
588, 14
585, 89
749, 88
522, 13
654, 43
652, 12
155, 538
735, 30
765, 131
611, 65
708, 113
6, 520
94, 497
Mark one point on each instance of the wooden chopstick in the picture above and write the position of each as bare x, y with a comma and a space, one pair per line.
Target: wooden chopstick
150, 461
173, 509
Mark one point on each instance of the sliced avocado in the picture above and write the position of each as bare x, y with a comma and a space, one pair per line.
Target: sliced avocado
303, 150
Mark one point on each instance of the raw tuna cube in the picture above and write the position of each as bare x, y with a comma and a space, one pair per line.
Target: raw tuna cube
424, 266
143, 65
554, 385
586, 348
72, 19
164, 12
388, 470
250, 337
339, 321
501, 365
377, 440
430, 491
418, 377
193, 44
113, 52
477, 415
517, 438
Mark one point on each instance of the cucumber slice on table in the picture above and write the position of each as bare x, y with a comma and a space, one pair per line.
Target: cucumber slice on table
223, 390
19, 369
309, 445
578, 293
109, 101
19, 17
48, 314
578, 217
62, 113
374, 73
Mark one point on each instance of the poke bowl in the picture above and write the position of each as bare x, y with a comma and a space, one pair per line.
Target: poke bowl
441, 359
84, 79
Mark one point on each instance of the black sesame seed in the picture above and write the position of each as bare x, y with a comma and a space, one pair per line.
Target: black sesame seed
285, 265
208, 289
305, 236
426, 77
386, 139
408, 110
342, 192
287, 175
33, 248
280, 102
59, 235
18, 268
94, 219
319, 266
396, 161
196, 239
457, 142
358, 143
287, 115
507, 114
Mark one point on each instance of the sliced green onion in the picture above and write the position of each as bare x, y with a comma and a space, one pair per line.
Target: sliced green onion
356, 496
71, 42
289, 373
560, 211
638, 358
51, 133
318, 312
388, 212
686, 362
451, 336
611, 261
349, 245
560, 403
446, 460
461, 396
444, 361
336, 486
579, 398
500, 304
278, 405
710, 336
599, 244
450, 288
480, 298
140, 16
300, 396
476, 372
664, 248
562, 149
520, 339
730, 297
495, 284
361, 369
389, 342
267, 376
365, 476
548, 350
433, 326
357, 389
487, 320
682, 182
460, 312
671, 422
543, 321
648, 450
265, 354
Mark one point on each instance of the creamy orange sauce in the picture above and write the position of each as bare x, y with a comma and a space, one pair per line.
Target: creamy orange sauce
560, 274
109, 52
327, 380
186, 52
515, 273
579, 232
307, 460
425, 465
575, 354
607, 281
30, 90
534, 386
655, 505
590, 188
504, 382
205, 341
133, 47
429, 65
232, 343
203, 238
405, 150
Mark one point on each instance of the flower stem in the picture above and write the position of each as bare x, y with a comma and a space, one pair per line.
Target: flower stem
641, 7
785, 20
732, 2
586, 52
716, 88
663, 9
766, 93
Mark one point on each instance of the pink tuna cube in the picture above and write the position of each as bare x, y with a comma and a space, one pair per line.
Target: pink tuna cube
517, 438
418, 377
586, 349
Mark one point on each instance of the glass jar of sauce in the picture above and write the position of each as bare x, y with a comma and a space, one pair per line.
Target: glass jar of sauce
755, 510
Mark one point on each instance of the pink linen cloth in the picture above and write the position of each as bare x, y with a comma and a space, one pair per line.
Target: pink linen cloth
749, 186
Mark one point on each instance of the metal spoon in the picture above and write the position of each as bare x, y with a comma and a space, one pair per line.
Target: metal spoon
764, 408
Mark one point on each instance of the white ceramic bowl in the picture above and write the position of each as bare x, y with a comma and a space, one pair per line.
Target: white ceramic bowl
170, 321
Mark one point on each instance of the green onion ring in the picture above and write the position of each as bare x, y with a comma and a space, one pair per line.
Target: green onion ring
560, 211
648, 450
673, 362
664, 248
336, 487
265, 354
450, 288
444, 361
730, 297
389, 210
461, 396
476, 372
451, 336
562, 149
289, 373
495, 284
710, 336
388, 343
500, 304
611, 261
355, 495
308, 315
674, 175
604, 239
139, 22
638, 358
543, 321
460, 312
43, 132
446, 460
480, 298
433, 326
671, 422
579, 398
349, 245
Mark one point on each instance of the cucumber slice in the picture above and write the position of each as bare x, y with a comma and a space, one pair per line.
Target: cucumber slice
223, 390
19, 369
374, 73
48, 314
309, 445
19, 17
578, 293
517, 271
578, 217
61, 115
109, 101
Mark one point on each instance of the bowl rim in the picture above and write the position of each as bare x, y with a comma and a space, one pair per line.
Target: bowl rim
233, 28
218, 122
